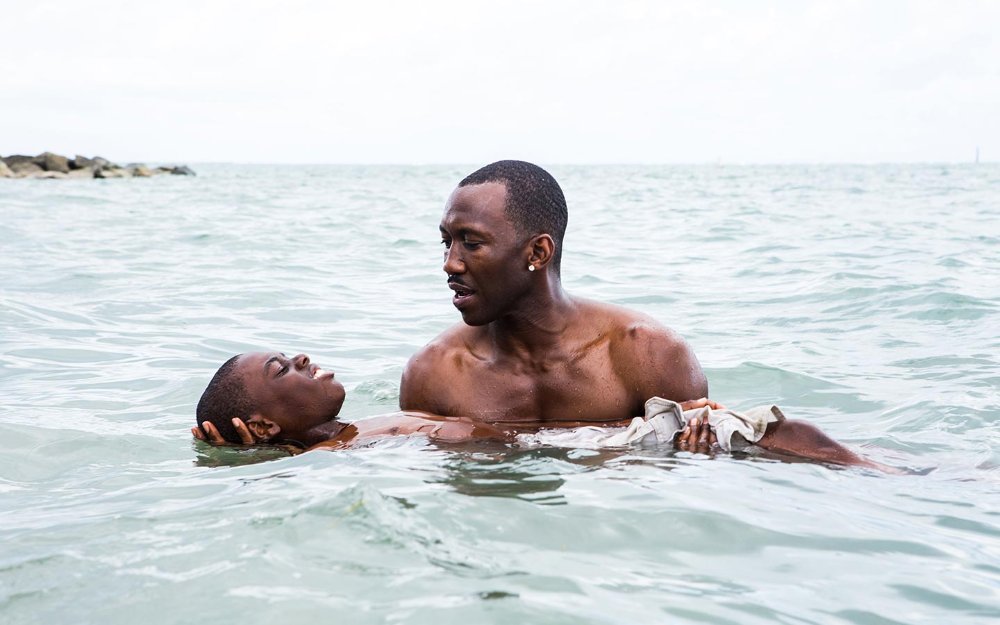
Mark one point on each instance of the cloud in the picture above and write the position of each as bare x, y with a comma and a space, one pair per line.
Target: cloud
559, 81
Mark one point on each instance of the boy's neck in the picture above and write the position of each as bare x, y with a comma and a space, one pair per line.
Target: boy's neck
318, 434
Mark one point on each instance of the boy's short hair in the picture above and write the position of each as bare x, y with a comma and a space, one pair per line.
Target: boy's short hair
225, 397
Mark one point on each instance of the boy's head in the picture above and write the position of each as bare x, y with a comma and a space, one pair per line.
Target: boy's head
278, 397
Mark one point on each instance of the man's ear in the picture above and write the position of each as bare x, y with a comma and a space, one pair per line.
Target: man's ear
262, 429
542, 249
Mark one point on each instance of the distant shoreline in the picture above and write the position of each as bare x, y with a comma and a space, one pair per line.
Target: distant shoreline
52, 166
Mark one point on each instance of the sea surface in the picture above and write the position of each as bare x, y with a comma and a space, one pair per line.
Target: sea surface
865, 299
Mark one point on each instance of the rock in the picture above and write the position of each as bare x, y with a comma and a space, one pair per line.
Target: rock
53, 162
112, 172
46, 163
21, 164
86, 172
23, 169
17, 158
81, 162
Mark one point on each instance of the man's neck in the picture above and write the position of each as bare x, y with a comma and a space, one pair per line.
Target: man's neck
536, 326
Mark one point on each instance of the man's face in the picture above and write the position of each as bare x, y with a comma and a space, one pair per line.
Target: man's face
293, 392
485, 261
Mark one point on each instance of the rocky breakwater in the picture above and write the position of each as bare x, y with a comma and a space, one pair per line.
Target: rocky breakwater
53, 166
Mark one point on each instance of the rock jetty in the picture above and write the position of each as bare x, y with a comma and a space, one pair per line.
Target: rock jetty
49, 165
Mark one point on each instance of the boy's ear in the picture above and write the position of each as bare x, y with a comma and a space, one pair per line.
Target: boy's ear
262, 429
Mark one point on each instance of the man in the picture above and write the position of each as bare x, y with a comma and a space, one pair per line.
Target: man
527, 351
267, 397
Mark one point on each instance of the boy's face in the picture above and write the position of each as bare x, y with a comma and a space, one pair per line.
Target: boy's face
293, 392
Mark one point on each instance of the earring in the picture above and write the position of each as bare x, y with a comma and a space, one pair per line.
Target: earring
531, 267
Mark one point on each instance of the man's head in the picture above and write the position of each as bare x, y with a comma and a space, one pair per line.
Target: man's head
279, 398
535, 203
502, 229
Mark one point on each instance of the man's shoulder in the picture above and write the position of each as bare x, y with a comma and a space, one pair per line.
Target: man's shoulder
444, 353
655, 358
428, 377
629, 328
452, 340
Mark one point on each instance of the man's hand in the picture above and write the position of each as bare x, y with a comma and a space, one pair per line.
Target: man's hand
701, 403
208, 434
697, 435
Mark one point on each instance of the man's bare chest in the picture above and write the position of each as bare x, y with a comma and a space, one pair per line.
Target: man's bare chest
579, 390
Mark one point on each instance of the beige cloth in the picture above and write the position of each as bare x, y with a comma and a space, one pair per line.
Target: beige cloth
661, 423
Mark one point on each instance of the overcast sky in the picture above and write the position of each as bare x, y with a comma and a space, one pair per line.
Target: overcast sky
373, 81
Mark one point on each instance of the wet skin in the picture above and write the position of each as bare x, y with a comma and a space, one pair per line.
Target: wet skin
295, 394
298, 402
528, 353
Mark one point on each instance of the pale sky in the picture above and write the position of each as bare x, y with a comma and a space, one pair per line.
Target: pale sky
304, 81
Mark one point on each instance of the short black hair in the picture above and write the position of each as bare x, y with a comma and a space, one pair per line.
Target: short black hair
225, 397
535, 202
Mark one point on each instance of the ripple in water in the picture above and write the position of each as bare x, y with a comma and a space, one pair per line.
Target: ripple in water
863, 298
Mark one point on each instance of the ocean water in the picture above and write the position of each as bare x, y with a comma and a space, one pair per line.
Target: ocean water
863, 298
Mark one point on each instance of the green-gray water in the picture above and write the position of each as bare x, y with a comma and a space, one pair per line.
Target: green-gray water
863, 298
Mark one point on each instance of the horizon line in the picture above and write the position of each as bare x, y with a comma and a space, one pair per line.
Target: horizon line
714, 162
576, 164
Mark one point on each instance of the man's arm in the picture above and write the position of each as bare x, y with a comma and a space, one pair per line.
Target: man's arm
660, 363
803, 439
207, 433
668, 368
417, 387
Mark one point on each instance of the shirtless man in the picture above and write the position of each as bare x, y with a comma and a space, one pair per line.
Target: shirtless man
267, 397
527, 351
